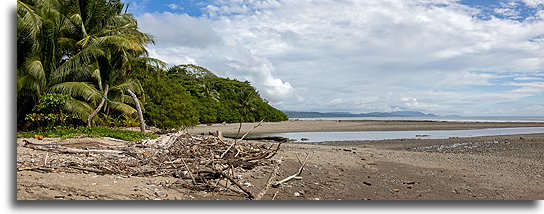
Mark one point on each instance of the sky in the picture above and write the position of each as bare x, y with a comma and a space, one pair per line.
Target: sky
436, 56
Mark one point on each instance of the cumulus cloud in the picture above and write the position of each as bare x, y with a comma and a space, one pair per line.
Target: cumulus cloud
360, 56
180, 30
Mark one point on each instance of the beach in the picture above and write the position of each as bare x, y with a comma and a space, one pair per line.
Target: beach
351, 125
507, 167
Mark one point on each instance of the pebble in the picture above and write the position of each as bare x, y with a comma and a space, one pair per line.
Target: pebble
158, 192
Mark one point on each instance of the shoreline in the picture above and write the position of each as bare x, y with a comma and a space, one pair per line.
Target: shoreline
499, 168
507, 167
352, 125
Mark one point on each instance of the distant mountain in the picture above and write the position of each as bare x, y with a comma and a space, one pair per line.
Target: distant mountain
304, 114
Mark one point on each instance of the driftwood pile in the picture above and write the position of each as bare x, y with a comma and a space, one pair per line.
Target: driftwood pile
203, 160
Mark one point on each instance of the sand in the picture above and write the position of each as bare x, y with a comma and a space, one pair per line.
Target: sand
479, 168
353, 125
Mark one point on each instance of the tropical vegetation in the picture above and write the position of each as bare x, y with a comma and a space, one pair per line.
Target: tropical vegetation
84, 63
188, 94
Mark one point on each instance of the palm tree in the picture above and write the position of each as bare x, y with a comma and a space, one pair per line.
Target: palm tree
117, 35
87, 49
47, 52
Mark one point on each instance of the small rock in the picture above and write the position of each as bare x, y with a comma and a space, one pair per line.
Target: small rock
59, 196
394, 190
176, 174
409, 182
366, 183
247, 184
158, 193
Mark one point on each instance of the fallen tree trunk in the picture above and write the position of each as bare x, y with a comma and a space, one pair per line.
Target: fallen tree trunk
273, 138
59, 149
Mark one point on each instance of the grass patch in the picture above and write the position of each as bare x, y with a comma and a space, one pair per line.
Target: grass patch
64, 133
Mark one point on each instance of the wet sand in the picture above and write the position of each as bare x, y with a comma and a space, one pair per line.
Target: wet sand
352, 125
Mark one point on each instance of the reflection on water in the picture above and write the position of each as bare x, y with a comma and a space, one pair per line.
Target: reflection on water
383, 135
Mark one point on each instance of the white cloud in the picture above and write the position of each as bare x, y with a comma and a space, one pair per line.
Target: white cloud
180, 30
533, 3
174, 6
358, 56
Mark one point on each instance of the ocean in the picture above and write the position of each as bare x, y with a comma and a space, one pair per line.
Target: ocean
384, 135
451, 119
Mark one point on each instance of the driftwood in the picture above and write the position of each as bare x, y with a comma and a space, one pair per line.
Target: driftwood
234, 143
248, 193
273, 138
268, 182
180, 155
89, 169
59, 149
294, 176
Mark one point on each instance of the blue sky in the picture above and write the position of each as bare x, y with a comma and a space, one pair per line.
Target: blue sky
441, 56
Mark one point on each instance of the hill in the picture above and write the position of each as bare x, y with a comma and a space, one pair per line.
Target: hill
302, 114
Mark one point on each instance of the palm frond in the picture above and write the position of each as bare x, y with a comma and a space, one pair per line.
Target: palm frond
84, 57
29, 20
132, 84
36, 70
124, 109
79, 108
78, 89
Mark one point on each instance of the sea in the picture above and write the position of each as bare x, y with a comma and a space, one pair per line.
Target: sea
451, 119
431, 134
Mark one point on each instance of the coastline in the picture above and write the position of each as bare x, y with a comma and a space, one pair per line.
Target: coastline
509, 167
352, 125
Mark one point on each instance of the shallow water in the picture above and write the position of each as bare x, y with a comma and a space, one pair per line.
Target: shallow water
385, 135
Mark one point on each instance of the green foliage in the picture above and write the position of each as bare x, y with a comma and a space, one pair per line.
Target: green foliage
215, 99
77, 48
49, 112
70, 132
168, 104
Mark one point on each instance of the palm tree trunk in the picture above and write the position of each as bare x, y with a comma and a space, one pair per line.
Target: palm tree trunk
95, 112
140, 114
